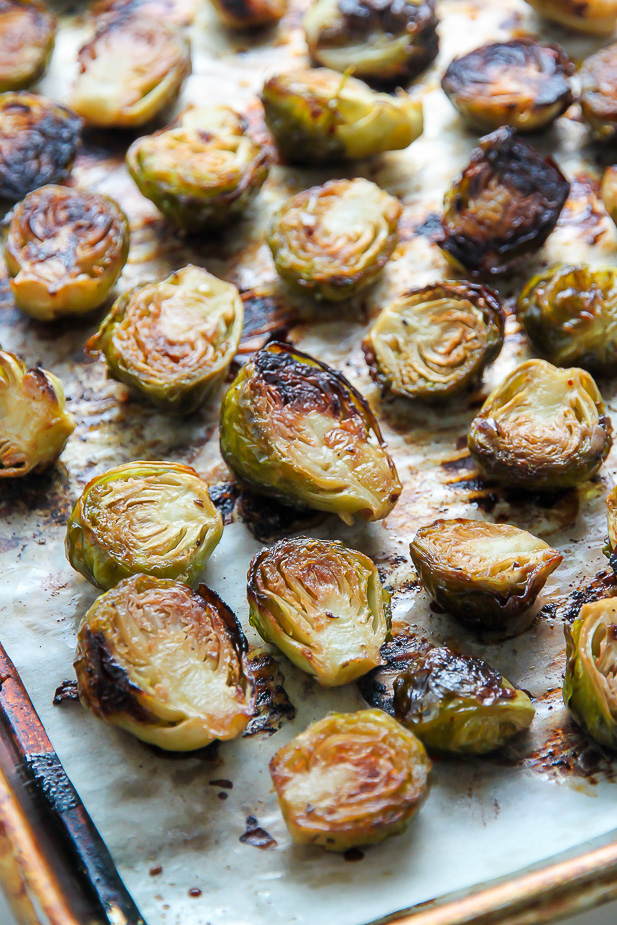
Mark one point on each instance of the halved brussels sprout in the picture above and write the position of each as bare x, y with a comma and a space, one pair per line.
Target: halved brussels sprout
503, 206
319, 116
294, 428
523, 83
609, 192
130, 70
597, 17
173, 340
543, 428
64, 251
34, 422
455, 703
149, 518
322, 604
350, 779
486, 575
165, 663
201, 171
27, 34
434, 342
247, 14
598, 97
334, 240
375, 39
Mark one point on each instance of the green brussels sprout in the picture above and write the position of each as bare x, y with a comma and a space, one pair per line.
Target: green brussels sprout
322, 604
34, 422
165, 663
148, 518
64, 251
598, 96
486, 575
503, 206
378, 40
293, 428
455, 703
250, 14
609, 192
201, 171
319, 116
130, 70
173, 340
434, 342
597, 17
350, 779
333, 241
27, 34
543, 428
522, 83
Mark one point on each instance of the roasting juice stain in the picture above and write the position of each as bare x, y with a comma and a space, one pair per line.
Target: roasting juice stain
568, 607
256, 836
195, 892
222, 782
156, 870
353, 854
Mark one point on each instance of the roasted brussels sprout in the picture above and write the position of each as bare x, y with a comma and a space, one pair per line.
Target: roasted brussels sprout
165, 663
378, 40
455, 703
598, 99
181, 12
248, 14
149, 518
332, 241
350, 779
522, 83
503, 206
543, 428
322, 604
611, 502
130, 70
27, 34
434, 342
609, 192
486, 575
203, 170
320, 116
173, 340
34, 422
598, 17
297, 430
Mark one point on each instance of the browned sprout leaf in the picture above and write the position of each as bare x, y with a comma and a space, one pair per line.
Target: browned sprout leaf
181, 12
598, 77
27, 34
597, 17
250, 14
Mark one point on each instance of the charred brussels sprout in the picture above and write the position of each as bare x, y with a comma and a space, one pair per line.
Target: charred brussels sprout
173, 340
597, 17
322, 604
486, 575
203, 170
543, 428
295, 429
319, 116
165, 663
248, 14
332, 241
27, 34
34, 422
503, 206
150, 518
64, 251
434, 342
598, 77
350, 779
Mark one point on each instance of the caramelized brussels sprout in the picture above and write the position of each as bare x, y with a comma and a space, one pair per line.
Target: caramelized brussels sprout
543, 428
64, 251
319, 116
181, 12
378, 40
522, 83
350, 779
297, 430
150, 518
165, 663
611, 502
609, 192
34, 422
27, 34
598, 97
334, 240
597, 17
173, 340
503, 206
486, 575
248, 14
434, 342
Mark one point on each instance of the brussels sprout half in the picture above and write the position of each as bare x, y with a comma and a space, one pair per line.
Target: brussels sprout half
350, 779
434, 342
150, 518
320, 116
597, 17
322, 604
598, 98
27, 35
486, 575
165, 663
248, 14
503, 206
173, 340
543, 428
34, 422
334, 240
293, 428
64, 251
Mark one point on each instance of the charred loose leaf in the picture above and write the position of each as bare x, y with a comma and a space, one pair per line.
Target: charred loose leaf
598, 98
27, 34
597, 17
250, 14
